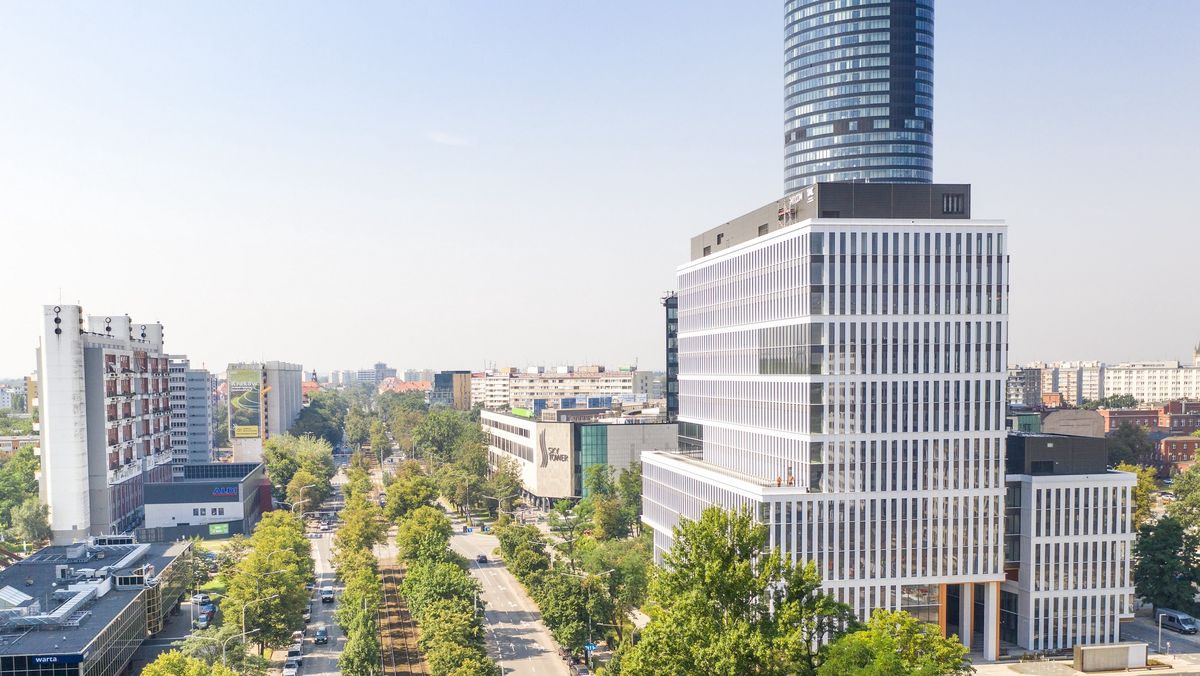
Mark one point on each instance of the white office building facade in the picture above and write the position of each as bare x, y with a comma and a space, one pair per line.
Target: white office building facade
191, 414
844, 378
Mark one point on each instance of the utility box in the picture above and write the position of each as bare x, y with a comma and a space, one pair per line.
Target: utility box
1110, 657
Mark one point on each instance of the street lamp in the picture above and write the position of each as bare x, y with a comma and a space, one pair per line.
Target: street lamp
250, 603
301, 499
225, 643
591, 637
1160, 616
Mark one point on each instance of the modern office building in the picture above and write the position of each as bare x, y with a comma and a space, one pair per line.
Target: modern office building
671, 306
1024, 386
858, 91
1068, 541
84, 609
553, 452
452, 389
105, 415
191, 414
841, 374
209, 500
265, 399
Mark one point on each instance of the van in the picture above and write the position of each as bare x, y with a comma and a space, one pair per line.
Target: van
326, 594
1177, 621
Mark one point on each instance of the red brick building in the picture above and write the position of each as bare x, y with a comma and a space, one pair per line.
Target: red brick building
1179, 418
1178, 452
1138, 417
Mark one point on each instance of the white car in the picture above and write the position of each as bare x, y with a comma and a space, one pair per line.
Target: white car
291, 669
200, 599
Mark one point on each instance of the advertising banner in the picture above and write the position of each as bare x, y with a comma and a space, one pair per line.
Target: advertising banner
218, 529
245, 395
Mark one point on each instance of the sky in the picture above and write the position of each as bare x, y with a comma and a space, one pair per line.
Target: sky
459, 184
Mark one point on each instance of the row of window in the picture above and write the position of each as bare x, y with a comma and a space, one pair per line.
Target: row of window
206, 511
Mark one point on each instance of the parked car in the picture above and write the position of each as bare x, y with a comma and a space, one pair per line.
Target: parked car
482, 558
298, 636
327, 594
291, 669
322, 636
1177, 621
201, 598
203, 620
296, 654
307, 614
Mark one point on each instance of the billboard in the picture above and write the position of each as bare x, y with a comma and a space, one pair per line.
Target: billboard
245, 395
218, 529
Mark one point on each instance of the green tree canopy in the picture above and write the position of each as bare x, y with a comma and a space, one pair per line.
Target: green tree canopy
1143, 492
1167, 564
423, 535
1132, 445
724, 604
894, 643
175, 663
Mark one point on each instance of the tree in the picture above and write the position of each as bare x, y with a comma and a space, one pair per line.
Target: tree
1143, 492
427, 581
1186, 506
569, 525
894, 643
724, 604
303, 489
1166, 566
358, 429
629, 491
175, 663
505, 484
423, 535
438, 432
18, 483
361, 653
1130, 444
31, 521
269, 582
406, 493
215, 645
1115, 401
449, 621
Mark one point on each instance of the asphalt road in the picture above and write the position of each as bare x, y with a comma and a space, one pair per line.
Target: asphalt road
516, 636
323, 659
1144, 630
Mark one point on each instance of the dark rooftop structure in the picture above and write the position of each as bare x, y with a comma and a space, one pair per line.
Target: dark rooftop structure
1055, 454
905, 201
77, 606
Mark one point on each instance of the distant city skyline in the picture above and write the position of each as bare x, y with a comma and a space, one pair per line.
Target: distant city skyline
453, 184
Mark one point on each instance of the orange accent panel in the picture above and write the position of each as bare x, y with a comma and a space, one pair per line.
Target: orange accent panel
942, 609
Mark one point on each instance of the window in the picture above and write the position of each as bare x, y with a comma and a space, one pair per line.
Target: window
762, 229
707, 250
195, 511
720, 238
954, 203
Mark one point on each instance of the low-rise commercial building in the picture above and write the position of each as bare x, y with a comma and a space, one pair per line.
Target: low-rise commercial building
84, 609
213, 499
553, 455
1068, 536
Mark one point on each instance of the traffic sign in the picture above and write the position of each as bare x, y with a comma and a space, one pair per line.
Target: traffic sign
590, 647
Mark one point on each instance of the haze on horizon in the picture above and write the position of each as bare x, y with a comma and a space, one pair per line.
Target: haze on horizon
455, 184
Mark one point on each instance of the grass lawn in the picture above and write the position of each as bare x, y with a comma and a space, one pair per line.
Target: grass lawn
213, 587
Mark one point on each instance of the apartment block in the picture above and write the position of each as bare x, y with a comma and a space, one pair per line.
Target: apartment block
105, 420
191, 414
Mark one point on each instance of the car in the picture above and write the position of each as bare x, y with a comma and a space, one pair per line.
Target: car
322, 636
307, 614
482, 558
203, 621
326, 594
298, 636
209, 607
295, 654
325, 527
1177, 621
201, 598
310, 586
291, 669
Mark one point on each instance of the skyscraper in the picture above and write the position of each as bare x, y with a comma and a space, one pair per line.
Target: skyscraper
858, 91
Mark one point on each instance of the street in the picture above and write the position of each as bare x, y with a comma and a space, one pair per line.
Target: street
323, 659
1184, 647
516, 637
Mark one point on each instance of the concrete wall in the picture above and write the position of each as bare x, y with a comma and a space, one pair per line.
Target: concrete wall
64, 480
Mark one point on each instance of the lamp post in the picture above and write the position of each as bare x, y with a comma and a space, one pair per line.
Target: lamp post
250, 603
1160, 616
226, 643
591, 638
301, 500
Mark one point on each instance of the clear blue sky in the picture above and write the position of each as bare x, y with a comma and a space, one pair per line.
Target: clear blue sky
453, 183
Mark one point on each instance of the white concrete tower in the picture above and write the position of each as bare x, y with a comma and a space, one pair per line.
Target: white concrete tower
64, 432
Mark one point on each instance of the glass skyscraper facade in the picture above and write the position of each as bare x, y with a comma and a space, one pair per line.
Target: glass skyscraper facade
858, 91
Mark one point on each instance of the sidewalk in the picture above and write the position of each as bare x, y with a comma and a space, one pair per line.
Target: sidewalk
1183, 664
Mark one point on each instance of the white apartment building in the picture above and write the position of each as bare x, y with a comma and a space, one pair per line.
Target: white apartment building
1153, 383
842, 365
103, 393
511, 388
7, 395
191, 414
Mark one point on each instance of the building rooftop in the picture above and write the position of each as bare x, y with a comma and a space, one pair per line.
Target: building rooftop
60, 598
215, 471
908, 201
